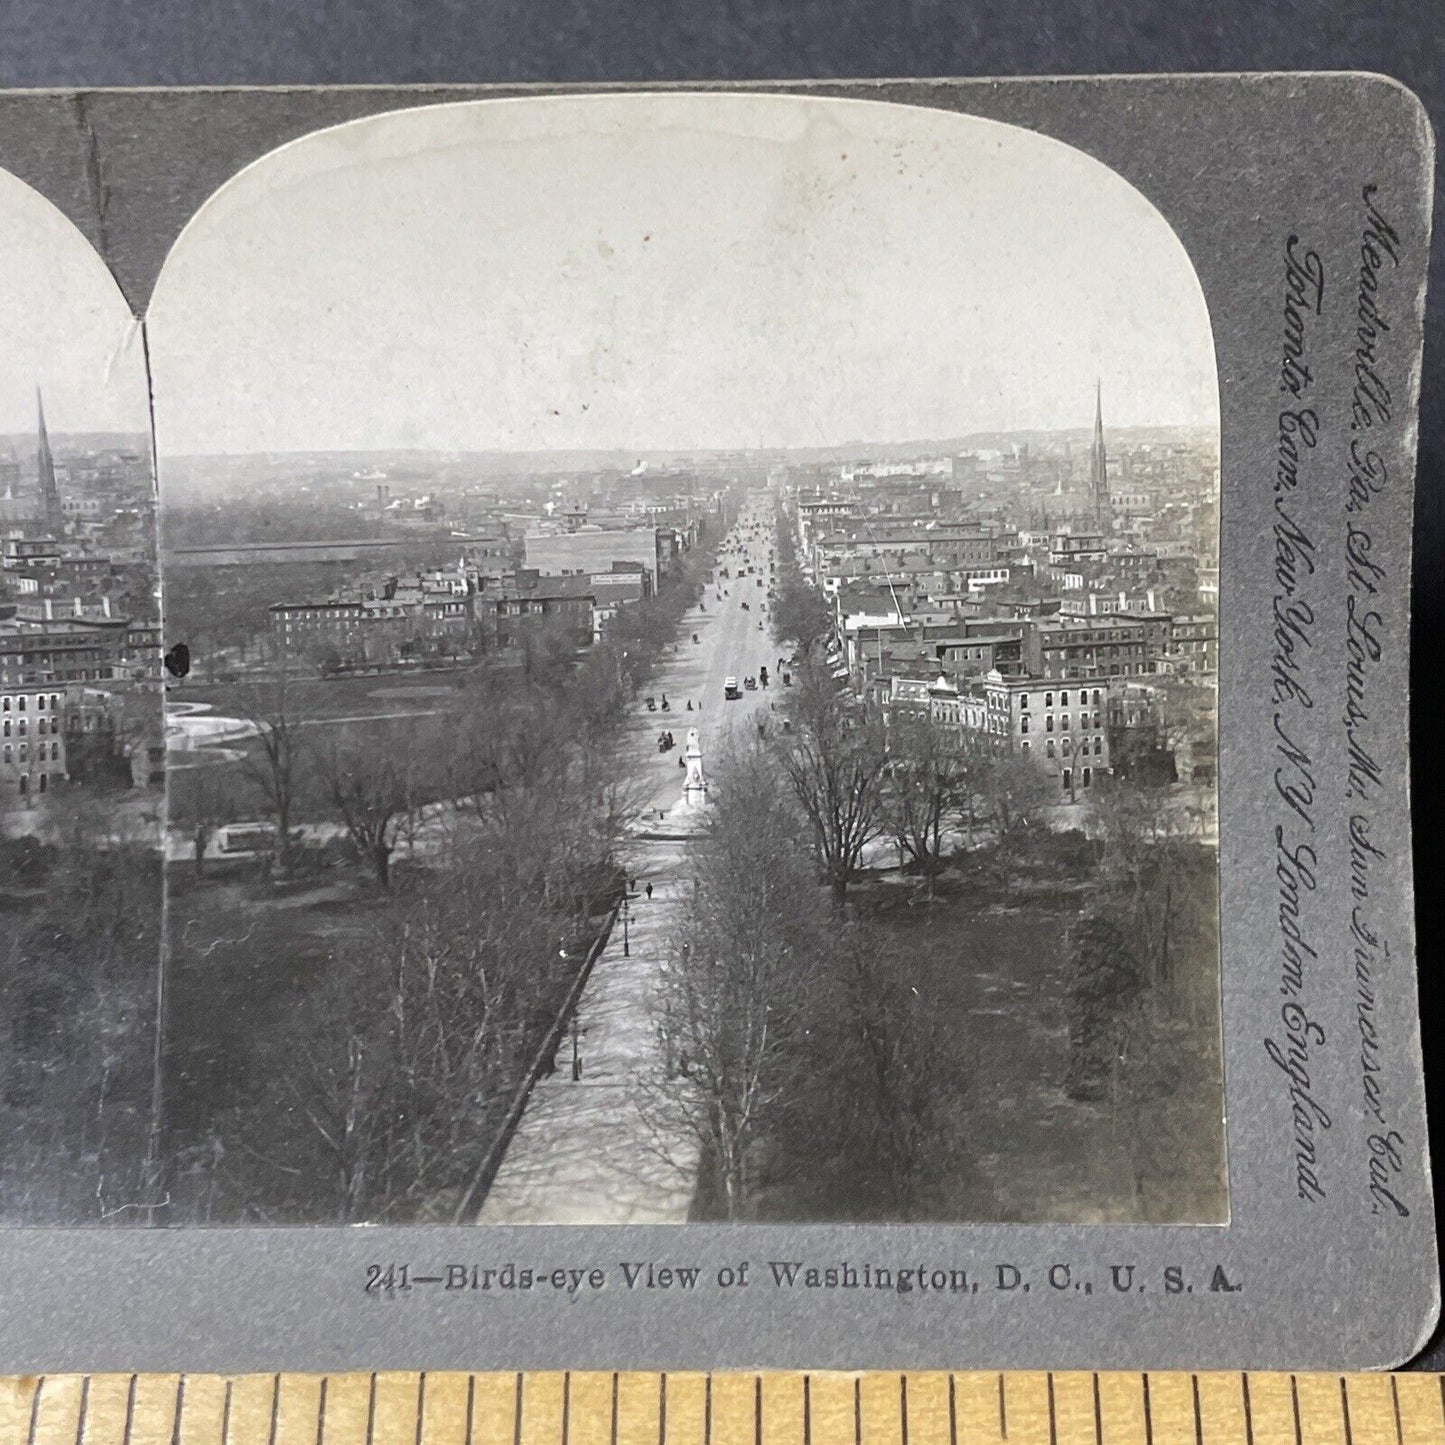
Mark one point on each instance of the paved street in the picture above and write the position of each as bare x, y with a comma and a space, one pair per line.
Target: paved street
589, 1152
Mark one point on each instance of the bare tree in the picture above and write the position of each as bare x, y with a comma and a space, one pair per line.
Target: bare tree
933, 771
731, 1002
401, 1066
1016, 793
375, 786
273, 766
1147, 834
834, 759
894, 1075
199, 799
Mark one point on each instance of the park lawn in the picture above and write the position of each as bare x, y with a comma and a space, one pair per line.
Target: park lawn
239, 965
1001, 974
996, 976
340, 696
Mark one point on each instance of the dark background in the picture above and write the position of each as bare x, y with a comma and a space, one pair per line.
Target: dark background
260, 42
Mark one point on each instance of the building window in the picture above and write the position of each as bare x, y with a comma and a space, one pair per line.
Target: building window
1064, 722
1049, 723
1023, 702
1063, 699
1048, 699
1024, 725
1025, 745
1049, 747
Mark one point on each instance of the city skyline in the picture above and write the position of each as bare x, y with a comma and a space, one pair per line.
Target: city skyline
670, 273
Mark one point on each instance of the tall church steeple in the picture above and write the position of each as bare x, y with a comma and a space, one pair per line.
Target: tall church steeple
45, 466
1099, 464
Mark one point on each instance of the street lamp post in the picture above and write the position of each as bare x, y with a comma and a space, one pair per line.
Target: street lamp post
576, 1040
626, 915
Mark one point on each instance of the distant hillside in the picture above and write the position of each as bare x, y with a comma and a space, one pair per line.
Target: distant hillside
203, 474
23, 443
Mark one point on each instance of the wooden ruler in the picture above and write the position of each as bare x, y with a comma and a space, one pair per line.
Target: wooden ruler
771, 1408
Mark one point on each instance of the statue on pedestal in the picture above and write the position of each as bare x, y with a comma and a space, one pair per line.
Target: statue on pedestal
695, 784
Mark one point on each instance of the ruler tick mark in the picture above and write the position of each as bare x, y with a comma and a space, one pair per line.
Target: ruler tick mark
1002, 1409
370, 1412
1053, 1414
1395, 1401
807, 1410
471, 1405
1294, 1405
130, 1409
517, 1413
857, 1410
1098, 1413
1148, 1413
952, 1408
420, 1404
180, 1409
35, 1410
275, 1412
1248, 1411
1345, 1412
84, 1411
662, 1408
320, 1412
758, 1411
1198, 1418
707, 1410
614, 1407
226, 1415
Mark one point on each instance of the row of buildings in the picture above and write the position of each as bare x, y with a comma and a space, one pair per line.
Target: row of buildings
1057, 600
80, 632
573, 577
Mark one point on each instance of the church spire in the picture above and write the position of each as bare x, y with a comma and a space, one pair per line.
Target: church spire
1099, 464
45, 466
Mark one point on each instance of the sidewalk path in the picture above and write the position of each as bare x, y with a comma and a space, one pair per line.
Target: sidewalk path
584, 1152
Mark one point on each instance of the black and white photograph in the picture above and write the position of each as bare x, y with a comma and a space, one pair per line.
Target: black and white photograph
82, 761
700, 616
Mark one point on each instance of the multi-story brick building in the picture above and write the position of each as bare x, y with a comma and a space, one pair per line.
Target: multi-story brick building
32, 743
61, 650
1063, 729
1089, 647
510, 607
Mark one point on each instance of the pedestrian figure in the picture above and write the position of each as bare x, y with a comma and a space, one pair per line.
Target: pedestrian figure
649, 891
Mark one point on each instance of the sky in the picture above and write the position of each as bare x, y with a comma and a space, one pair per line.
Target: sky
64, 325
670, 272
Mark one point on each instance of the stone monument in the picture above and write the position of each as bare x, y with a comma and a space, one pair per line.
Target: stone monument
695, 785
